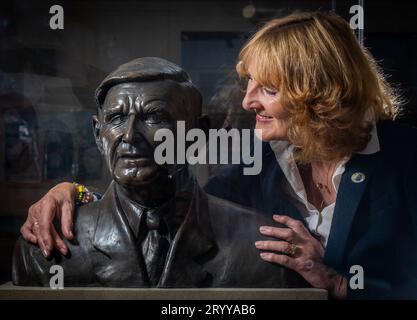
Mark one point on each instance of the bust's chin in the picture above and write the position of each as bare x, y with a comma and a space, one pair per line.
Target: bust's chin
131, 176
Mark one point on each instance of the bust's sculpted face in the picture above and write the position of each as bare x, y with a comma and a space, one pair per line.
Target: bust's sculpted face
130, 116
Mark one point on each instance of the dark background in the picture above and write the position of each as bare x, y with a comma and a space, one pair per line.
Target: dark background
47, 77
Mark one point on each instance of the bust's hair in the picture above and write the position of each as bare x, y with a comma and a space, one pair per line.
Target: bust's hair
151, 69
329, 84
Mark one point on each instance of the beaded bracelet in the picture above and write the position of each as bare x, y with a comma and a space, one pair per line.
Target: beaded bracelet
82, 195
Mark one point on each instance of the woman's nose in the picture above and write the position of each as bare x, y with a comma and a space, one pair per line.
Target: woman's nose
129, 133
250, 96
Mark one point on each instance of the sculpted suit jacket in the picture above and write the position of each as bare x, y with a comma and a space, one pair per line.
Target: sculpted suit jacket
214, 247
375, 221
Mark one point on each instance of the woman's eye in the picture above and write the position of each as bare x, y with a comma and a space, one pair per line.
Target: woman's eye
270, 92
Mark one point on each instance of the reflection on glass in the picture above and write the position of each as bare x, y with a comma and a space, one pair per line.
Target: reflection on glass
21, 153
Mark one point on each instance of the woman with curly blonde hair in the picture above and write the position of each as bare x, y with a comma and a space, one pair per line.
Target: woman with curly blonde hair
327, 113
328, 86
337, 168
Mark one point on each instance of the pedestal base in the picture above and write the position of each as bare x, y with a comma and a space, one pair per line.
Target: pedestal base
9, 291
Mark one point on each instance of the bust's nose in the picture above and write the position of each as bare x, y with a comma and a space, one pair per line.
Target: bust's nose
129, 133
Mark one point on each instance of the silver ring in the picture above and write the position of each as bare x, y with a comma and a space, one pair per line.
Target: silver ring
293, 249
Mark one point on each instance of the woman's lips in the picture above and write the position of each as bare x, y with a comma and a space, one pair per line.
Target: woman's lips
262, 118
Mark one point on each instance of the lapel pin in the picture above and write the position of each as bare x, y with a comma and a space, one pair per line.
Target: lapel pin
358, 177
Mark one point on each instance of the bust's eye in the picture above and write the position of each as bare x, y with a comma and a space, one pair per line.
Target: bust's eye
117, 119
153, 118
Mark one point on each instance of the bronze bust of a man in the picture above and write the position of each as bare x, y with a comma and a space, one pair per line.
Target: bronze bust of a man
154, 226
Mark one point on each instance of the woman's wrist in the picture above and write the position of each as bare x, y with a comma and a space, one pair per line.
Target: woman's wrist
338, 287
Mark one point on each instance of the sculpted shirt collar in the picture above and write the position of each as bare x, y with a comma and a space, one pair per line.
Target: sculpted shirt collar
171, 212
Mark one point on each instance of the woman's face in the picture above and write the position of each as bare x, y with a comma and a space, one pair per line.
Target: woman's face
266, 103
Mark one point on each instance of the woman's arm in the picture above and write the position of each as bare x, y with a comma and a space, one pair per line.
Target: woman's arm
58, 202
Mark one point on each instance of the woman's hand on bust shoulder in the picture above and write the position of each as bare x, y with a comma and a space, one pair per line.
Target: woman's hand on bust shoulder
38, 227
298, 250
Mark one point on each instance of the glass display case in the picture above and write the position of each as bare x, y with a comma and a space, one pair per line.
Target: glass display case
48, 77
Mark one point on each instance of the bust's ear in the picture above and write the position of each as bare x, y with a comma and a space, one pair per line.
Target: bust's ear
96, 131
204, 123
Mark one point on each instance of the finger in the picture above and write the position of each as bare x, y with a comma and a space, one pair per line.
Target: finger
59, 244
280, 246
42, 246
66, 219
286, 234
45, 224
294, 224
280, 259
27, 233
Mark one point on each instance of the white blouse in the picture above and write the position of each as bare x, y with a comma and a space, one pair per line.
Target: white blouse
318, 222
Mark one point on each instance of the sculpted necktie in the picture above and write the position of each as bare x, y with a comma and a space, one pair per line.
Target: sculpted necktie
155, 246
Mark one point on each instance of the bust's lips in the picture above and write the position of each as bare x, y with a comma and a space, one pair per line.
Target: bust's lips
136, 158
128, 151
135, 170
132, 155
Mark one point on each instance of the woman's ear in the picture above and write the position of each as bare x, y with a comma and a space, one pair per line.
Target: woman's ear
96, 131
